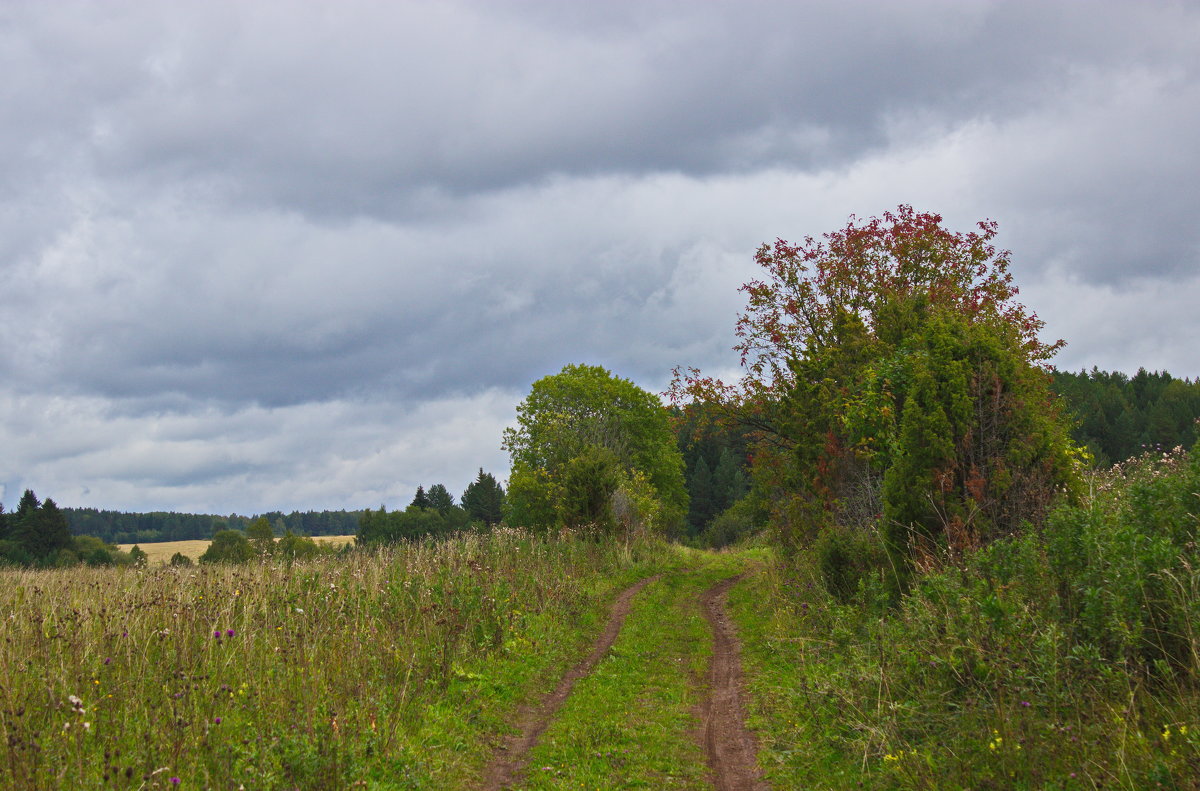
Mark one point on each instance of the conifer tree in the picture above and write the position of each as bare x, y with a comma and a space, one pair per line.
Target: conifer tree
421, 500
700, 492
440, 498
483, 499
729, 482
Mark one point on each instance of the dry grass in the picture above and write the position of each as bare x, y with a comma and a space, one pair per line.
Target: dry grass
162, 551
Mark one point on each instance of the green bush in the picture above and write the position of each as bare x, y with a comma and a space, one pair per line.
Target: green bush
228, 546
847, 557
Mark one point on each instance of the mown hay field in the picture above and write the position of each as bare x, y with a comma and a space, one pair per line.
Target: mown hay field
163, 551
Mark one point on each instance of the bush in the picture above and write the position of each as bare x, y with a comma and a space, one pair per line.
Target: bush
846, 557
228, 546
736, 522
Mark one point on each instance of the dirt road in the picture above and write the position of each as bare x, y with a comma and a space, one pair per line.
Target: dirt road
729, 745
509, 766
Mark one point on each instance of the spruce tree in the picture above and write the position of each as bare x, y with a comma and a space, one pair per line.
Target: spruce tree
483, 499
421, 500
440, 498
700, 492
729, 482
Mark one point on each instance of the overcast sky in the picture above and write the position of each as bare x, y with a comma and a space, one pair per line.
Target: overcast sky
300, 255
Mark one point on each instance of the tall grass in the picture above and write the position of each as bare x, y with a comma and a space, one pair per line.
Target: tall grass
1064, 658
392, 669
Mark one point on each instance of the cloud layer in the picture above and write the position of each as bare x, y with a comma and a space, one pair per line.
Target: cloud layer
271, 255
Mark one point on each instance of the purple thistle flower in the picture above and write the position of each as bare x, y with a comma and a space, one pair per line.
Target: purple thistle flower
216, 720
217, 634
175, 781
230, 633
108, 660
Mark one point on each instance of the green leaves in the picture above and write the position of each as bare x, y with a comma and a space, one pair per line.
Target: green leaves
581, 434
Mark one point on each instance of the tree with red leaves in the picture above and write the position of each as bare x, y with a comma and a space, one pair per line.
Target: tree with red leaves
892, 375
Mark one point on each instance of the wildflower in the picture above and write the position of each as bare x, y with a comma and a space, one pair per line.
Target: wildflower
108, 660
230, 633
175, 781
216, 720
1025, 703
217, 634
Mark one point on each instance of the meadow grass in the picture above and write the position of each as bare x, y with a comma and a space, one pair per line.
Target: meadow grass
398, 669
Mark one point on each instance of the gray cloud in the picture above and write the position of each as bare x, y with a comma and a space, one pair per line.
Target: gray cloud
276, 255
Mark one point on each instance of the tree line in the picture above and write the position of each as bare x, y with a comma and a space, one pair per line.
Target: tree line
434, 513
1116, 416
118, 527
37, 534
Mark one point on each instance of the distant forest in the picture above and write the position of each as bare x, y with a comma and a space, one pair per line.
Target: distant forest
116, 527
1118, 416
1115, 416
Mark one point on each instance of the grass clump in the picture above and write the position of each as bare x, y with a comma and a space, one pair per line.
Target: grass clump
1067, 657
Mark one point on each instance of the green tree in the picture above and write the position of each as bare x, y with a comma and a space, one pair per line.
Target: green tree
261, 536
483, 499
41, 529
228, 546
567, 422
180, 559
421, 499
729, 482
138, 556
294, 547
440, 499
701, 496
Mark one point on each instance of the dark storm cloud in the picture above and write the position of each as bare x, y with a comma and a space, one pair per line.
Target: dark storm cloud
279, 253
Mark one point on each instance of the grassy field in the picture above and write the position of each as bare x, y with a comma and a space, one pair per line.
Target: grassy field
395, 670
161, 552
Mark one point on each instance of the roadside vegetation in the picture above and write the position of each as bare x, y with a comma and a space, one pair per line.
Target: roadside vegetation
1062, 658
958, 598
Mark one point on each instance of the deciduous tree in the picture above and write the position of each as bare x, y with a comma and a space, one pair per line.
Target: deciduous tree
889, 367
573, 419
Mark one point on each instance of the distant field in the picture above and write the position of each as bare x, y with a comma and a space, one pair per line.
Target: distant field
162, 551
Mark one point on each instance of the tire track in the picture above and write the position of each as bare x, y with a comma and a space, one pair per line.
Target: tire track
509, 764
730, 746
